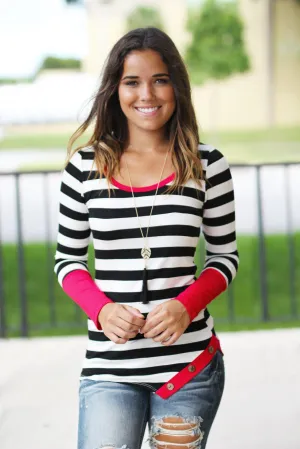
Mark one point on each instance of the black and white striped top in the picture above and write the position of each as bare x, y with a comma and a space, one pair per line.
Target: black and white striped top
87, 210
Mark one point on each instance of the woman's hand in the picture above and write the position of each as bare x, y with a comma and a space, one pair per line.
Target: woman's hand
120, 322
167, 322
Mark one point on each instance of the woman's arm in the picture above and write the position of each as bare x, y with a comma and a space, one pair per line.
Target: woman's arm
221, 261
72, 244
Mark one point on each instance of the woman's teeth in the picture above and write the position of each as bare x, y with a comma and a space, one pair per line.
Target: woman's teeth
145, 110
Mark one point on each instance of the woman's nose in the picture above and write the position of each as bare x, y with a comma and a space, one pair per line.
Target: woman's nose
146, 92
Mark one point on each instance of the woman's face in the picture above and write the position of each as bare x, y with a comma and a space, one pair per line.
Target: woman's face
145, 91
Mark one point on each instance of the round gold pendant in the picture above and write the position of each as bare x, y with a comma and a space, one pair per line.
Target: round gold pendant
146, 253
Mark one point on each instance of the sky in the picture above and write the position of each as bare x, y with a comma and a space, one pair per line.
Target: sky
33, 29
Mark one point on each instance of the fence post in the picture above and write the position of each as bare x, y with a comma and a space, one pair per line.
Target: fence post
2, 299
50, 258
262, 249
231, 312
290, 241
21, 263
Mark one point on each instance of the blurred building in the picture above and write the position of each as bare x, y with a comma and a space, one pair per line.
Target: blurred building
107, 23
267, 95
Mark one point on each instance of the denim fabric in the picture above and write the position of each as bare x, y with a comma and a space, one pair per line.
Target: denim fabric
115, 415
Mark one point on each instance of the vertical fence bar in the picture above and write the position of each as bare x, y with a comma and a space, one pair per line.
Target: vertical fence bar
262, 249
230, 296
21, 263
50, 258
2, 298
290, 242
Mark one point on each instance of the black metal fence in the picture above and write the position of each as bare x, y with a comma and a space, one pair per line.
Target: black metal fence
24, 289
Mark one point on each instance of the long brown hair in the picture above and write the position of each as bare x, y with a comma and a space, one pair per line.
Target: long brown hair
110, 129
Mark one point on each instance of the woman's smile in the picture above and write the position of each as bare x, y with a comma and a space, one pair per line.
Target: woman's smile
148, 111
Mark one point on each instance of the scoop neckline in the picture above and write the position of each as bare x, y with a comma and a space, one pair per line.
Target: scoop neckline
162, 183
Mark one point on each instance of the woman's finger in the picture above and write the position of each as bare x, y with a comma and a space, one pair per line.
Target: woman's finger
151, 324
122, 333
164, 336
130, 317
157, 330
123, 324
118, 340
172, 339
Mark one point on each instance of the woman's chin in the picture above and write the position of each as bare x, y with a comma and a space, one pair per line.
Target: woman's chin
148, 126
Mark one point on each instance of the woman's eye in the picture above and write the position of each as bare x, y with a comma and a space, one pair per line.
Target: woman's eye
131, 83
162, 80
134, 83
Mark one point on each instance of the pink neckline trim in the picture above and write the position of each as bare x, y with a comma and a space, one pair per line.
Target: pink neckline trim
143, 189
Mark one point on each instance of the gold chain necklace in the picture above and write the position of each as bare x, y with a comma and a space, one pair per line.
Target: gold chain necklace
146, 251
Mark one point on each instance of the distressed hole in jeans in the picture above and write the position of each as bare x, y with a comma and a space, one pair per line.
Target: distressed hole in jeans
176, 432
111, 446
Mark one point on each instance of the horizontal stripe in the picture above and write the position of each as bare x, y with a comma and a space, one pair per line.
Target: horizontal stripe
136, 286
74, 234
143, 360
73, 214
111, 214
137, 264
133, 297
123, 226
135, 253
220, 239
156, 231
218, 221
128, 372
114, 203
220, 200
71, 193
137, 275
79, 252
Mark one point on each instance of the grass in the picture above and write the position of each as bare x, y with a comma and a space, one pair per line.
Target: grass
248, 146
40, 141
245, 290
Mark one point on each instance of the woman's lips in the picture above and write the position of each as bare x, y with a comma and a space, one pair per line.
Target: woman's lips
148, 112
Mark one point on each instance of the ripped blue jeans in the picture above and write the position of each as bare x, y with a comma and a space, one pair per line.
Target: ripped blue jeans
115, 415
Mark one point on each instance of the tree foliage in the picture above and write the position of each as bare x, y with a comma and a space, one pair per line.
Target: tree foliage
144, 16
52, 62
217, 48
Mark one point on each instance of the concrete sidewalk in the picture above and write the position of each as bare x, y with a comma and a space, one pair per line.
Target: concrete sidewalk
260, 408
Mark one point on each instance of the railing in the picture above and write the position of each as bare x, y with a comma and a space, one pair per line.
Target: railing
31, 300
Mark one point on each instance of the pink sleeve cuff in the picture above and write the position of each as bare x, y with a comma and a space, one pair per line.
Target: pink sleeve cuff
198, 295
80, 286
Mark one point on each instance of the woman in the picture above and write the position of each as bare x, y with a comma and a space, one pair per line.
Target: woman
143, 187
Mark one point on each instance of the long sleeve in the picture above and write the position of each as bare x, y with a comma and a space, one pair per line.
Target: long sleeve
73, 225
80, 286
219, 227
72, 244
221, 260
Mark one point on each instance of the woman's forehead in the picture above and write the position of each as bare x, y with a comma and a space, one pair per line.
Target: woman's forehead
145, 61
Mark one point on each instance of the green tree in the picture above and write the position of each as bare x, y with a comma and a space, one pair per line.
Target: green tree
52, 62
217, 48
144, 16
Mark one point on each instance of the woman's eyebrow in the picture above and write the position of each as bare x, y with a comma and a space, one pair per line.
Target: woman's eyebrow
133, 77
161, 74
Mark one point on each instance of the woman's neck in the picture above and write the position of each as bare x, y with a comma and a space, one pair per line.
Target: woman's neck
147, 142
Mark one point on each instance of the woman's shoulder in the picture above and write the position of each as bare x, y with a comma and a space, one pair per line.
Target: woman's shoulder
80, 160
214, 162
209, 153
87, 152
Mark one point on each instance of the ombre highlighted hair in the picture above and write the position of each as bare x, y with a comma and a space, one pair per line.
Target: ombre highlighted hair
109, 124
